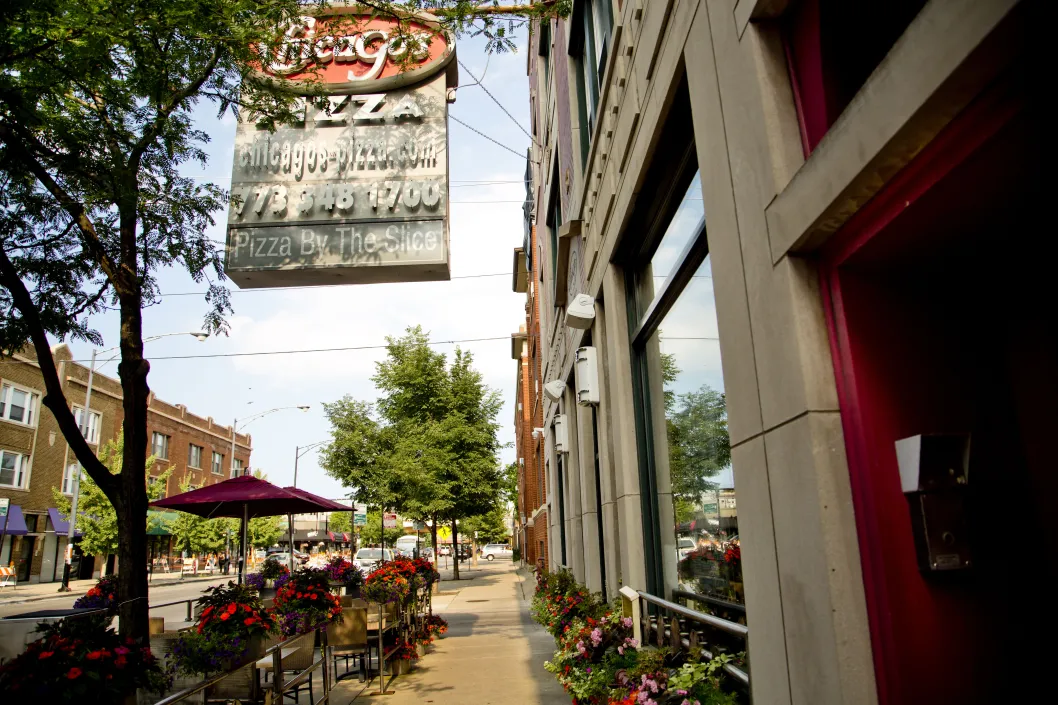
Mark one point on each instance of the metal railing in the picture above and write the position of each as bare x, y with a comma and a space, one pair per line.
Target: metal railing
189, 603
279, 686
661, 622
708, 600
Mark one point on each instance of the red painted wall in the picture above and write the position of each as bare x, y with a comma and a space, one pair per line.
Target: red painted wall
941, 323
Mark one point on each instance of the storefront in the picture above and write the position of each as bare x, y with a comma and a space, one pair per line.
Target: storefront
804, 232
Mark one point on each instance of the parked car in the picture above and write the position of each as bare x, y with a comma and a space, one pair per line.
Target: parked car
492, 551
367, 559
445, 551
683, 547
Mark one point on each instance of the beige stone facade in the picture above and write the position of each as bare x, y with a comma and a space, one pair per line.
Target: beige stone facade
717, 76
48, 462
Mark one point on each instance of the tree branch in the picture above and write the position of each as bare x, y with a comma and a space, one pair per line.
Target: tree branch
54, 399
84, 224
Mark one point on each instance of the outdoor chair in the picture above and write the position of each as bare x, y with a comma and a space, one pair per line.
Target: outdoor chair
348, 639
293, 659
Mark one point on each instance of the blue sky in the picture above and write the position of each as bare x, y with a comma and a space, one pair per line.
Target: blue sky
482, 238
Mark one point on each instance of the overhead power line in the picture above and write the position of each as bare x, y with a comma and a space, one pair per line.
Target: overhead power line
312, 350
490, 139
497, 102
323, 286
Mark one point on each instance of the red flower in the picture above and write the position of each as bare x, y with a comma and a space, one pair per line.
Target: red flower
224, 617
94, 655
232, 607
74, 672
249, 620
119, 662
46, 654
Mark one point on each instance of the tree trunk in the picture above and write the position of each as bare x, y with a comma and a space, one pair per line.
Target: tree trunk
131, 506
455, 550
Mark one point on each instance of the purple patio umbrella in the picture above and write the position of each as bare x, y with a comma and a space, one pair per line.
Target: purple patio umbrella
245, 498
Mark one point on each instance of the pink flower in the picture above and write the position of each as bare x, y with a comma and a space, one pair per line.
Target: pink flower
626, 622
596, 636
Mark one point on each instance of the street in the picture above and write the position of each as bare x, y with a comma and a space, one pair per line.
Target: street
12, 603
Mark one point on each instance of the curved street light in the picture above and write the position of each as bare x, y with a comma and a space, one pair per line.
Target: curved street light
246, 422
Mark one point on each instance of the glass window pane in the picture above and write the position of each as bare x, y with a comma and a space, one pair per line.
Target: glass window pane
694, 452
682, 229
8, 468
18, 405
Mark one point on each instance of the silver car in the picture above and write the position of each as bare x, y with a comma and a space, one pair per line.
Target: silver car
367, 559
492, 551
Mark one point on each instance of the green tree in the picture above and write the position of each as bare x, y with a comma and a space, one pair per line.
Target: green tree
96, 102
430, 450
491, 526
96, 519
340, 522
190, 532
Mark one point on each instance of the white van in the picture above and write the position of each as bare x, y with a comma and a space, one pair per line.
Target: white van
405, 545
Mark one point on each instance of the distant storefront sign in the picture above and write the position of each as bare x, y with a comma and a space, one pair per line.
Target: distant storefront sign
389, 521
359, 515
357, 190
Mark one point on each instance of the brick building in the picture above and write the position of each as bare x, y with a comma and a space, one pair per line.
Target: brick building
531, 522
35, 458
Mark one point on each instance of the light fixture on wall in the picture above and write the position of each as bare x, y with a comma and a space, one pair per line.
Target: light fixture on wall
581, 312
538, 432
554, 389
561, 434
587, 376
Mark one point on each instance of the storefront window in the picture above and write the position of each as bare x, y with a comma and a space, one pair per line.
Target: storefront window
686, 454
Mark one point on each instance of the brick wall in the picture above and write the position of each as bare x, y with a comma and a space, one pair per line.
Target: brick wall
49, 453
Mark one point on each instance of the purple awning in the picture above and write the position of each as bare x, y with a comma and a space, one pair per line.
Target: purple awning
14, 522
60, 525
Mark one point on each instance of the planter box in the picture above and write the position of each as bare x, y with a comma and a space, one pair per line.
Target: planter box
399, 667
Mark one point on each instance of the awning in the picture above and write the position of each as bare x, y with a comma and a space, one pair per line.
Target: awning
60, 525
14, 522
158, 522
345, 537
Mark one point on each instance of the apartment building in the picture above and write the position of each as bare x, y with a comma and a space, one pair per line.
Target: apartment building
809, 234
34, 457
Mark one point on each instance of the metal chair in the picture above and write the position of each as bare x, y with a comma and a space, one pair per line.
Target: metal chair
348, 639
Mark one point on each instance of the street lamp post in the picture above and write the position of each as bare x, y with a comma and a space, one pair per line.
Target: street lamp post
243, 534
83, 428
298, 452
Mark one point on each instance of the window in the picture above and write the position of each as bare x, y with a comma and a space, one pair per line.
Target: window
194, 456
69, 475
17, 404
91, 431
13, 467
192, 487
590, 46
545, 53
160, 446
237, 468
218, 463
561, 480
681, 417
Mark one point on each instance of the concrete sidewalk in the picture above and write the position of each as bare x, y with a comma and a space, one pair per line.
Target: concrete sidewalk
493, 652
35, 592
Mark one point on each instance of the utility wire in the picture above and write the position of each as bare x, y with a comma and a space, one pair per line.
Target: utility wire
490, 139
311, 350
324, 286
494, 100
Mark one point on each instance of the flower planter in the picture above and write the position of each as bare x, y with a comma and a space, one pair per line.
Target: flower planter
399, 667
420, 649
239, 684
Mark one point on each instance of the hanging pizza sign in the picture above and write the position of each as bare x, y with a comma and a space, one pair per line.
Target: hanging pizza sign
356, 190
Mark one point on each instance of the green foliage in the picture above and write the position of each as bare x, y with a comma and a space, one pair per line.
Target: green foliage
699, 444
429, 446
340, 522
96, 519
701, 680
491, 526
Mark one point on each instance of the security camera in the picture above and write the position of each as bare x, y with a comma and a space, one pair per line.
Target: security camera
554, 389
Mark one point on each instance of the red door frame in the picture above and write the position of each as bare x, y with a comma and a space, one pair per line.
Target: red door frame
978, 123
